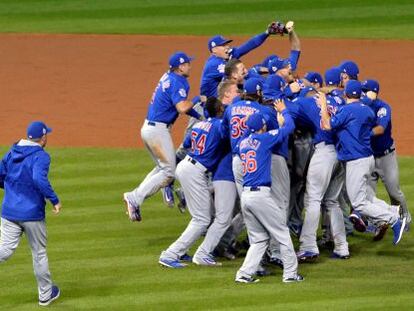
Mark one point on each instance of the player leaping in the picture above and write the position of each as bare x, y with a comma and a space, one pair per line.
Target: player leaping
168, 101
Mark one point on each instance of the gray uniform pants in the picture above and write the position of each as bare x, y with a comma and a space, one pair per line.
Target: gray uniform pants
323, 183
195, 184
281, 194
386, 168
158, 141
225, 194
265, 220
358, 173
37, 237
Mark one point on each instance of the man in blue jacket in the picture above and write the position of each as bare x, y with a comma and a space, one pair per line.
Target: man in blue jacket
23, 176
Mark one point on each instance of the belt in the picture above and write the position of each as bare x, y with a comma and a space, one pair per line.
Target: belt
256, 188
161, 124
388, 151
198, 164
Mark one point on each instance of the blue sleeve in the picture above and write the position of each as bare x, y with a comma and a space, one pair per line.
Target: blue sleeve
294, 59
246, 47
339, 119
40, 172
3, 170
187, 141
193, 113
384, 117
179, 92
275, 137
225, 123
293, 109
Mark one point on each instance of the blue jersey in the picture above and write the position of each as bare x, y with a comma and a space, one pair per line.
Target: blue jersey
381, 143
213, 71
235, 118
352, 124
224, 169
205, 142
307, 111
255, 153
171, 89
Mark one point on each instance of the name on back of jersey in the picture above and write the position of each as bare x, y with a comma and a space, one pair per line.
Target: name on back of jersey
203, 125
249, 143
243, 110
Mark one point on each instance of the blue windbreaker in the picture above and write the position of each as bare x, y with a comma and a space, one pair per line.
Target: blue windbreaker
23, 175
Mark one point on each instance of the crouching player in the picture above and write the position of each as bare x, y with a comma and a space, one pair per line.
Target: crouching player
263, 217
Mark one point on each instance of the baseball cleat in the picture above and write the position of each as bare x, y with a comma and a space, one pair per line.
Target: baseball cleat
174, 264
134, 213
247, 280
338, 256
306, 256
297, 278
398, 229
186, 258
276, 262
206, 261
380, 232
168, 195
53, 296
182, 204
357, 221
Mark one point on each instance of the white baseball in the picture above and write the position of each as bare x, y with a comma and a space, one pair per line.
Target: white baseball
289, 26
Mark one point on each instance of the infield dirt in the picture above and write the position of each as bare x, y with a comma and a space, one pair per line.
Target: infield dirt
94, 89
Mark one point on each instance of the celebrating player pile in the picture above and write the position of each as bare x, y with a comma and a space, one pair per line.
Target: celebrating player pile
245, 127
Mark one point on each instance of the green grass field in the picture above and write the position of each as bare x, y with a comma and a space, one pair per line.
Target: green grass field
102, 261
318, 18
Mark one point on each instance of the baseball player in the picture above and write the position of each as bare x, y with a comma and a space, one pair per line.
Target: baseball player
23, 176
352, 124
264, 218
205, 140
314, 79
349, 71
382, 143
169, 100
324, 182
221, 52
235, 119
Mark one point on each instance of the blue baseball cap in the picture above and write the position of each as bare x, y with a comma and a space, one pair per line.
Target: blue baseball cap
353, 88
277, 64
274, 83
333, 76
255, 122
253, 85
179, 58
370, 85
269, 58
217, 41
37, 129
314, 77
350, 68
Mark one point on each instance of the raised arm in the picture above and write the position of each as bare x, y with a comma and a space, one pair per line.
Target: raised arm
325, 116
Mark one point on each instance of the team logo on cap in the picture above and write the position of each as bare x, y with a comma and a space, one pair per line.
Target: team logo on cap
258, 87
44, 131
213, 44
181, 60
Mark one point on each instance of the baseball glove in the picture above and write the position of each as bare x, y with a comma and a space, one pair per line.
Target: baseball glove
276, 28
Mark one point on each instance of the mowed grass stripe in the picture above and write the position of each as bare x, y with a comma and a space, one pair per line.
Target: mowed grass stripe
319, 18
101, 260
